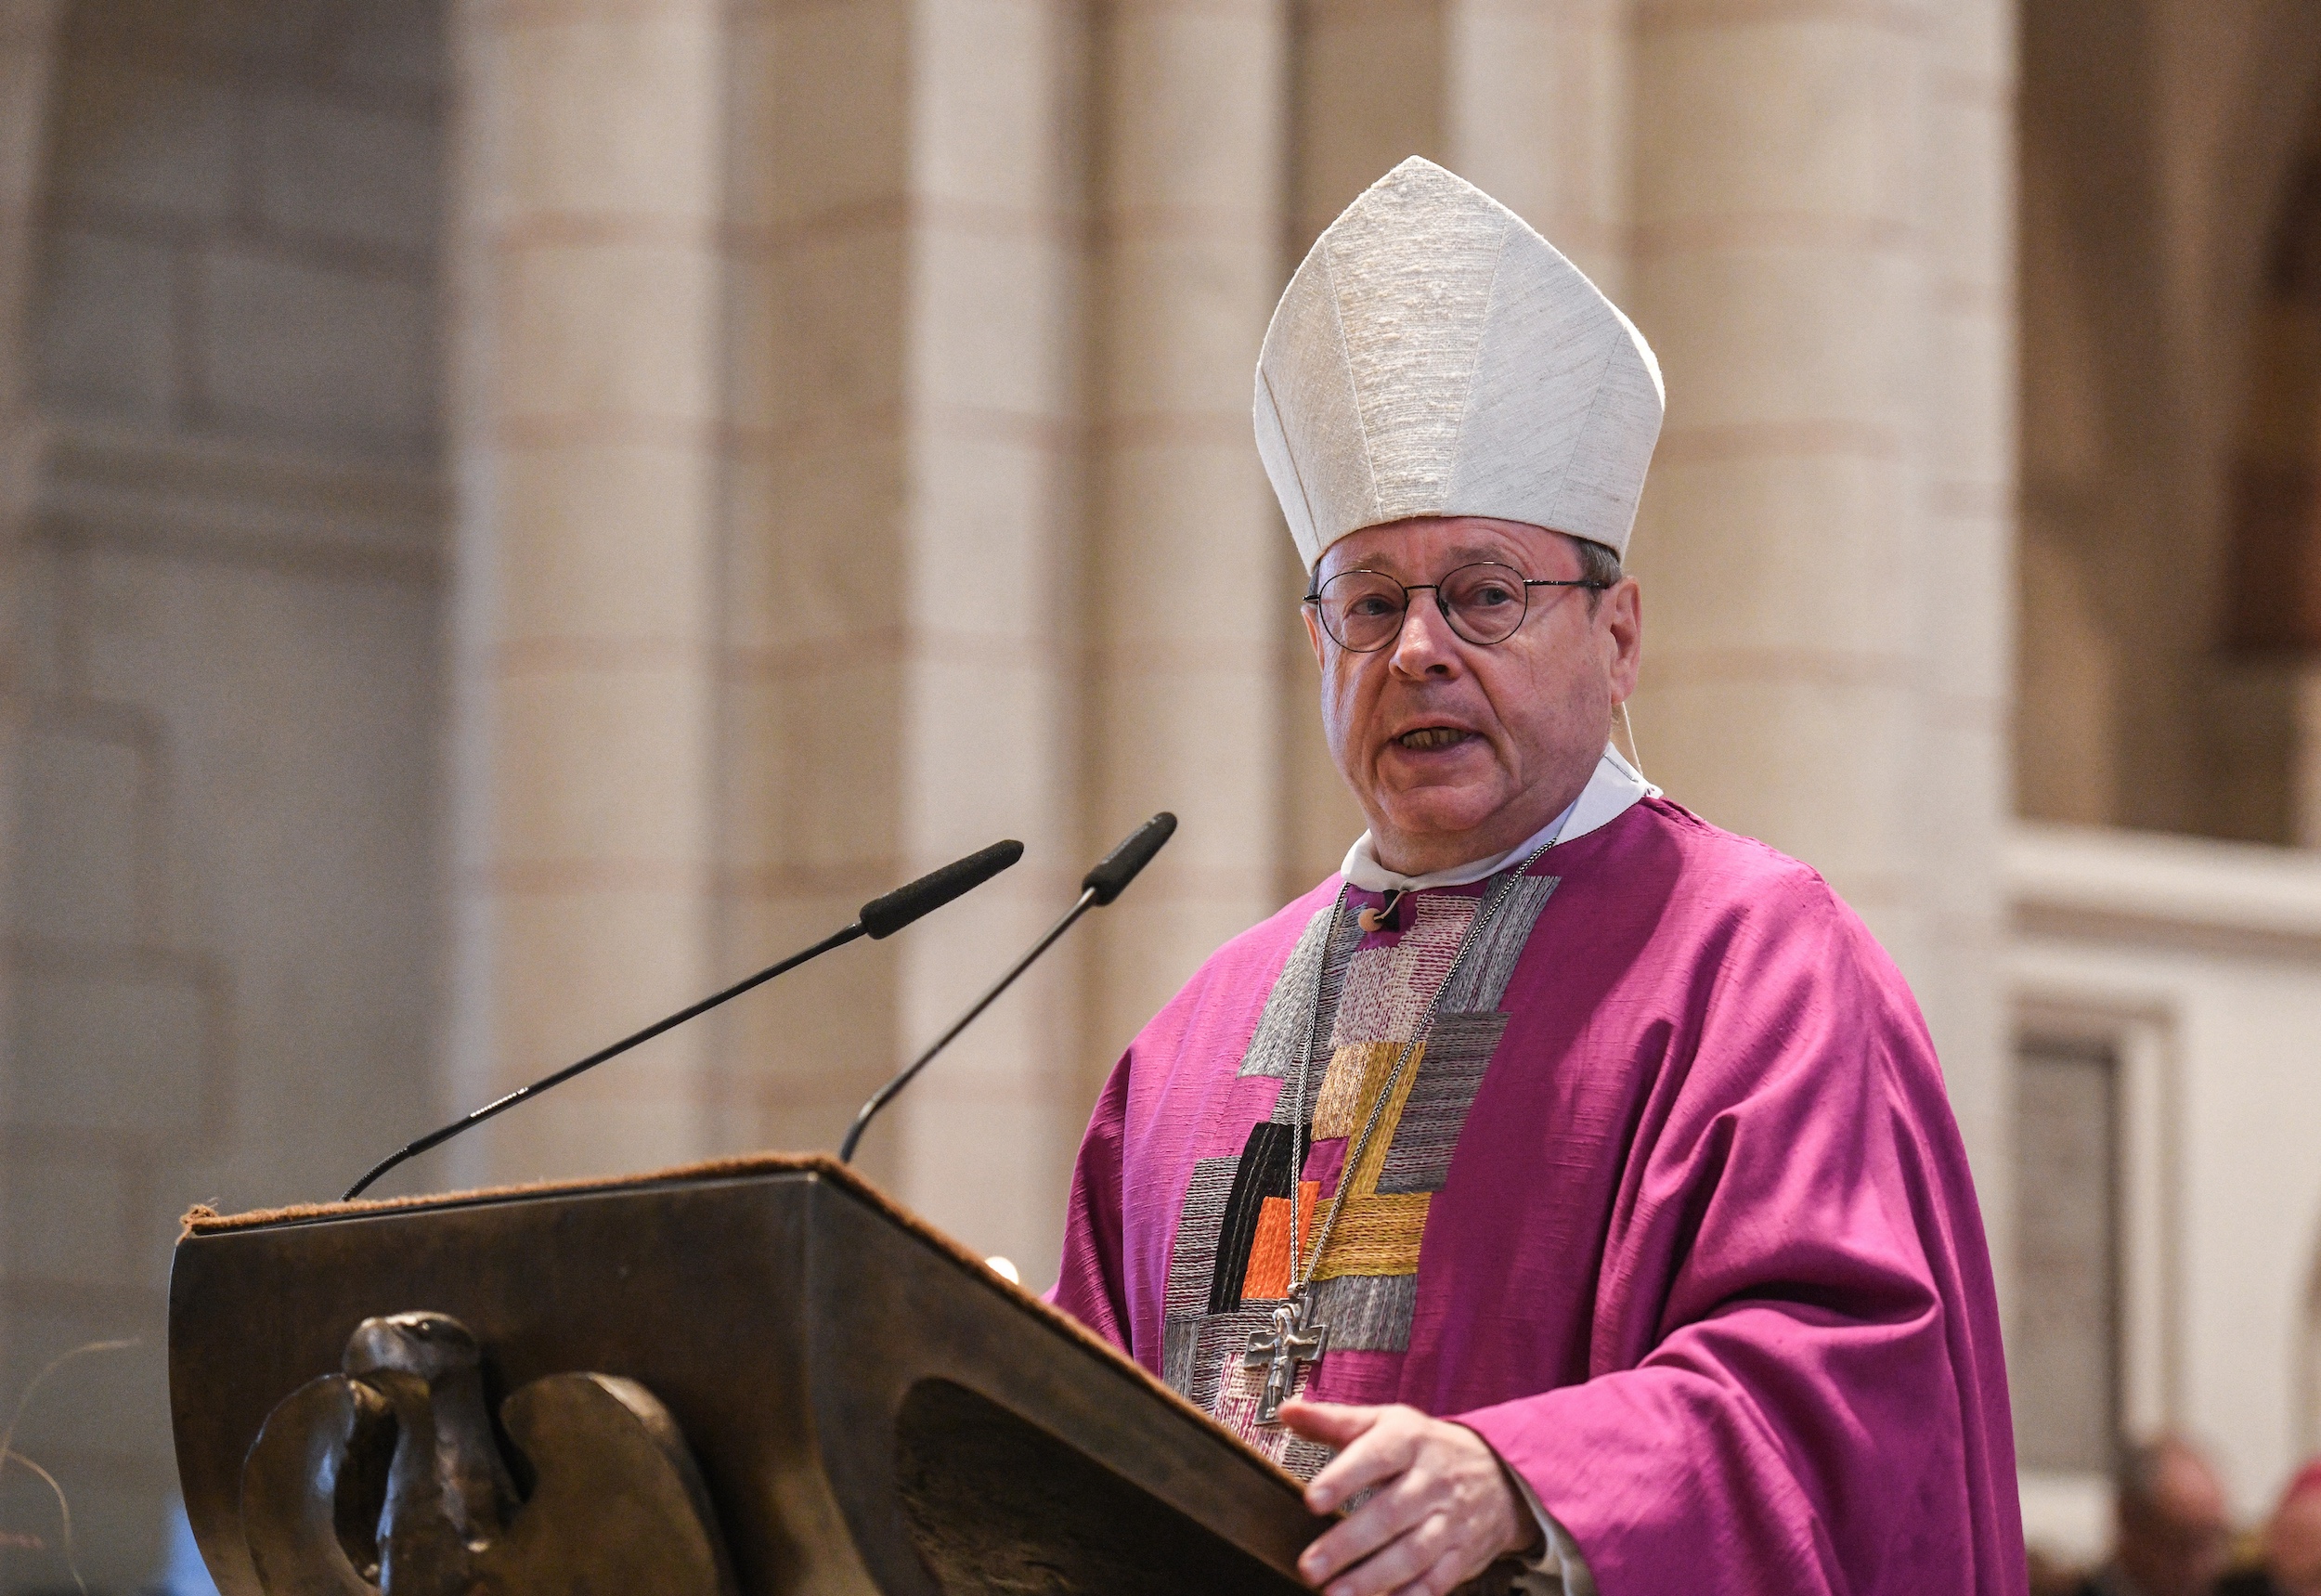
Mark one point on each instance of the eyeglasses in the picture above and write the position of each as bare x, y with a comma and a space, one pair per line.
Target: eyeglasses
1485, 603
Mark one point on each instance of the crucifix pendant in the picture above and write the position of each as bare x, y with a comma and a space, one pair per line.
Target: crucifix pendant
1278, 1352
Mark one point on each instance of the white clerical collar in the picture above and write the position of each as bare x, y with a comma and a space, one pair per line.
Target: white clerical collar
1614, 788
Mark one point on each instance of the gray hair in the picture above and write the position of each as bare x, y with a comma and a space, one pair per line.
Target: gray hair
1598, 563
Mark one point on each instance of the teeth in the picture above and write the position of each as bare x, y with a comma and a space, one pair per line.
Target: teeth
1432, 737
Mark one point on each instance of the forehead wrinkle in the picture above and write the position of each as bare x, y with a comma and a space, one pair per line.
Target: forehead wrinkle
1506, 552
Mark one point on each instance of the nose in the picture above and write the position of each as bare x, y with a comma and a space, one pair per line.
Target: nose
1426, 645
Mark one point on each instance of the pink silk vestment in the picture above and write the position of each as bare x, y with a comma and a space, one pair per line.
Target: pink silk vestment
1670, 1208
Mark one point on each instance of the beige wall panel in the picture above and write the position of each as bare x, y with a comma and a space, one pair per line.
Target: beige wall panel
989, 703
585, 552
1186, 561
1773, 552
1819, 768
583, 963
983, 306
840, 794
1535, 113
996, 104
589, 788
1782, 336
1780, 122
1202, 570
1193, 78
821, 543
1367, 93
608, 329
822, 111
587, 112
987, 587
1179, 325
837, 358
592, 1128
601, 766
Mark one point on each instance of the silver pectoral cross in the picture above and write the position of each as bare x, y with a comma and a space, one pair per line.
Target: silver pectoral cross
1278, 1352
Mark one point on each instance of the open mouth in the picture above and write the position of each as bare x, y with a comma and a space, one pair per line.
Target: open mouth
1426, 739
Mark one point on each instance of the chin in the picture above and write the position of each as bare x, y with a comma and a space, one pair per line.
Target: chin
1441, 813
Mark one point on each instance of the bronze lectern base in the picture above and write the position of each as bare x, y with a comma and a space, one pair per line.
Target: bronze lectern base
869, 1409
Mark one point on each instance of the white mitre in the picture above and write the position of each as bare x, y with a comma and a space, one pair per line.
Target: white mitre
1435, 356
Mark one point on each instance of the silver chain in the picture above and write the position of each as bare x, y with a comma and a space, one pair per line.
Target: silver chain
1298, 1130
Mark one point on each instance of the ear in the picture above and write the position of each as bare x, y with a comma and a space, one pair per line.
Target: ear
1623, 620
1313, 630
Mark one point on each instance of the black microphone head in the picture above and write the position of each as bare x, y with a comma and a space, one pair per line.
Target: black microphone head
1118, 868
884, 916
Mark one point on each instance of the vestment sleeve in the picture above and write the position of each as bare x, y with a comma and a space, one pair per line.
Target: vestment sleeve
1795, 1379
1089, 1279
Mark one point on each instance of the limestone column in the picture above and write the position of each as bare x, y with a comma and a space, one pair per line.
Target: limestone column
589, 365
1192, 596
27, 41
1966, 577
904, 590
1536, 110
1819, 259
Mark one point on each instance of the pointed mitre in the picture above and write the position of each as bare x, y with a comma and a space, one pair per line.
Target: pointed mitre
1435, 356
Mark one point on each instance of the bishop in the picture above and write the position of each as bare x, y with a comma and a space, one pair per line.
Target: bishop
1609, 1145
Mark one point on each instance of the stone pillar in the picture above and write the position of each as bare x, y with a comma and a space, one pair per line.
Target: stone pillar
904, 595
1536, 110
27, 44
588, 385
1192, 597
1819, 258
1965, 573
989, 659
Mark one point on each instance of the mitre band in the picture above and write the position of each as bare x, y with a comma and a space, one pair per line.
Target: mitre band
1433, 356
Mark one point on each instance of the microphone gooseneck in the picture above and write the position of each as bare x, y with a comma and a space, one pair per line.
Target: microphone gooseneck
882, 916
1100, 886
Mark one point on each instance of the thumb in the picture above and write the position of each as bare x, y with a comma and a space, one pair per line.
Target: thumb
1332, 1424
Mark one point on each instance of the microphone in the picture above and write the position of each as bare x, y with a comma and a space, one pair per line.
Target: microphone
1100, 886
882, 916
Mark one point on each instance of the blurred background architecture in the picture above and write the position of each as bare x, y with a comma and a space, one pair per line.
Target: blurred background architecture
514, 513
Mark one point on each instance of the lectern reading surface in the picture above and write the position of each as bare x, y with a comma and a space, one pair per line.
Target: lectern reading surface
855, 1404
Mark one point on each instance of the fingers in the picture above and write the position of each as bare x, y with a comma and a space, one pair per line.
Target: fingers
1382, 1448
1441, 1509
1394, 1513
1332, 1424
1428, 1558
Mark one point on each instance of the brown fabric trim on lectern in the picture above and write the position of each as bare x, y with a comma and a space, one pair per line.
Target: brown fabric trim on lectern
201, 1220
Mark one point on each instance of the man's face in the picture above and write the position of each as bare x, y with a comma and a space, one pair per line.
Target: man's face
2292, 1548
1457, 751
2179, 1543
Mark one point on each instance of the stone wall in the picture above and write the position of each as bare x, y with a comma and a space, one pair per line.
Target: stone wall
222, 935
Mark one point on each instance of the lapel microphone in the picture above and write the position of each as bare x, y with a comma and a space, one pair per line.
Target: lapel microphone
1100, 886
882, 916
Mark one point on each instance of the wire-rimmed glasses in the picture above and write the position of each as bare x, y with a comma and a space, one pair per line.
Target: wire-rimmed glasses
1484, 602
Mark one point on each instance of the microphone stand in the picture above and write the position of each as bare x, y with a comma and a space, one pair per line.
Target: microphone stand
882, 916
500, 1106
1109, 877
884, 1094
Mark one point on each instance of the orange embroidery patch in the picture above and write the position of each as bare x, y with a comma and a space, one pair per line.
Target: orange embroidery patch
1268, 1277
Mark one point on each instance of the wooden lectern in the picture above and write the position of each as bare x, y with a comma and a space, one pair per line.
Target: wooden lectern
762, 1373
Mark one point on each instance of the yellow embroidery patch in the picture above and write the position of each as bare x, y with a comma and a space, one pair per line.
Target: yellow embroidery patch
1377, 1235
1349, 1085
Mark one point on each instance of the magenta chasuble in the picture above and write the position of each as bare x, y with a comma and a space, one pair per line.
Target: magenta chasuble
1668, 1205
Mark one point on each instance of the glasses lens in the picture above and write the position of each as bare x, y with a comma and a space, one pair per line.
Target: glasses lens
1487, 602
1362, 610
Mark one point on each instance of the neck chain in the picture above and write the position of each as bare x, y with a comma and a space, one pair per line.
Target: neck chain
1294, 1338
